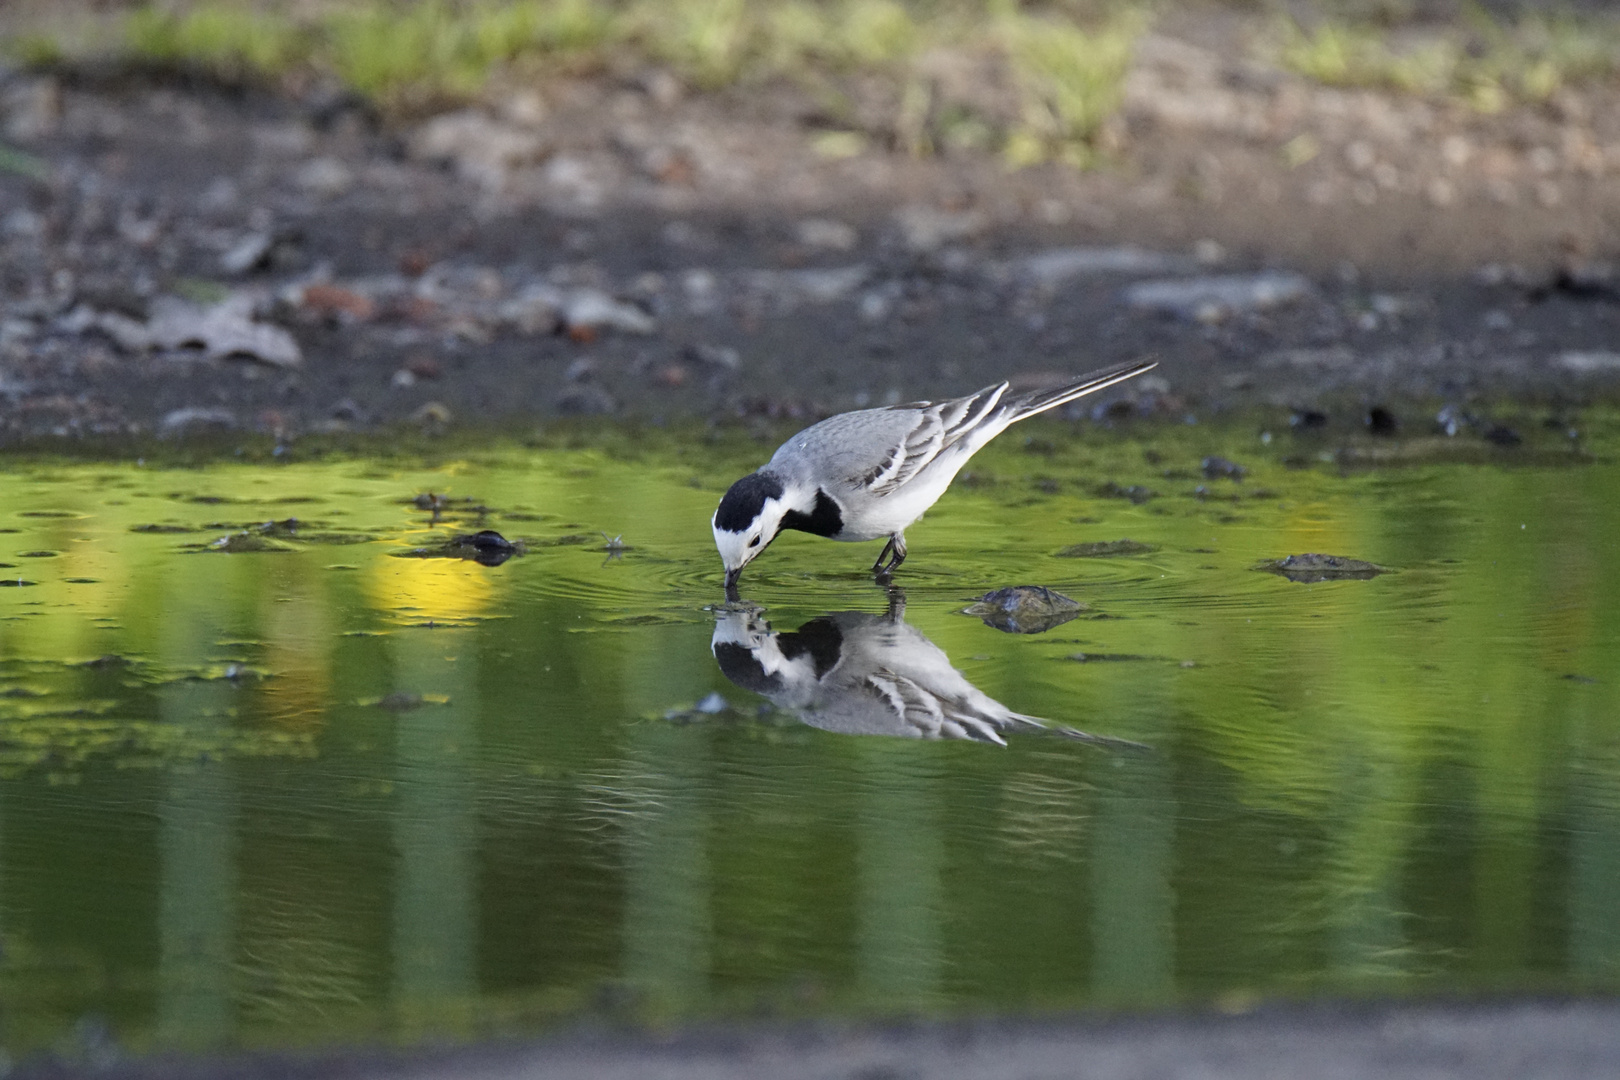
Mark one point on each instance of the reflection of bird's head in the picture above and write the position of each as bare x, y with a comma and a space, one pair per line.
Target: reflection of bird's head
739, 639
754, 657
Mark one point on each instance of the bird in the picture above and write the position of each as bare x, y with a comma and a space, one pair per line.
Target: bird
870, 473
857, 673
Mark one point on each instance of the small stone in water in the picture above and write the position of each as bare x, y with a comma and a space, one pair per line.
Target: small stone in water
1380, 421
1311, 568
1024, 609
242, 542
488, 546
1500, 435
1215, 466
1136, 493
1103, 549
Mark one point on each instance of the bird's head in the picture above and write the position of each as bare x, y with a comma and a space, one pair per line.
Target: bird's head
747, 520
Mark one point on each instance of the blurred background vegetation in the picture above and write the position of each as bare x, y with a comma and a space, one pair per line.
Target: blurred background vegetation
1061, 65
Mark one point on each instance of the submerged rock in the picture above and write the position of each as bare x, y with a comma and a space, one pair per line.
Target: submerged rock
1136, 493
1104, 549
1311, 568
1215, 467
1024, 609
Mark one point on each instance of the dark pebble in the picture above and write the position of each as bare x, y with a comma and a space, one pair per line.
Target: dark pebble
1215, 467
1380, 421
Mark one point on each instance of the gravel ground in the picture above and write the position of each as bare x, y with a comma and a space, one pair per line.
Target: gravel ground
188, 257
1531, 1040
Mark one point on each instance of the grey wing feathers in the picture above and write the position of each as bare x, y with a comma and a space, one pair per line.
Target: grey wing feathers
939, 427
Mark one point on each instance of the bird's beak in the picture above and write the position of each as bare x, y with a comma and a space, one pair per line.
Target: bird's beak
732, 577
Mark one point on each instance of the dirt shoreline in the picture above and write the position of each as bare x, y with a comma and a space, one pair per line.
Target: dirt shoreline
181, 258
1547, 1039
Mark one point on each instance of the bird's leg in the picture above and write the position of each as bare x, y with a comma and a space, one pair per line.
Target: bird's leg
897, 604
895, 552
878, 567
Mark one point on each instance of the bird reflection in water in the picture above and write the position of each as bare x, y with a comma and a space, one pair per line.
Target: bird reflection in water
862, 674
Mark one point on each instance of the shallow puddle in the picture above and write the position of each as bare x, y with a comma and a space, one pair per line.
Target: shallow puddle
264, 783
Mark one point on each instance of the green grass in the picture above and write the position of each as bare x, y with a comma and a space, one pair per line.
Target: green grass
1063, 70
422, 48
1060, 63
1072, 80
1484, 61
233, 40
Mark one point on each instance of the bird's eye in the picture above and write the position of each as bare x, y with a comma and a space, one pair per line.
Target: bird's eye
754, 542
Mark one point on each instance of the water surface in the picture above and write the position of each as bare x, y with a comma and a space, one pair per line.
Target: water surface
327, 792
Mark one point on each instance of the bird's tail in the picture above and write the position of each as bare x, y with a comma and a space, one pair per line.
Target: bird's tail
1111, 741
1040, 401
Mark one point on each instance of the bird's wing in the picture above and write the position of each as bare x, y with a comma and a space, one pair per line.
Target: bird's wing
967, 423
937, 429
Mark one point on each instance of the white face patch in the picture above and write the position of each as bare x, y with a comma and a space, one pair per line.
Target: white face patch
737, 549
734, 549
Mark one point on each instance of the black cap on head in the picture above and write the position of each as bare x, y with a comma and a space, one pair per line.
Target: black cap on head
742, 504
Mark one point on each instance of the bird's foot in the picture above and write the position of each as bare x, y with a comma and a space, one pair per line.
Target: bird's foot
878, 568
895, 552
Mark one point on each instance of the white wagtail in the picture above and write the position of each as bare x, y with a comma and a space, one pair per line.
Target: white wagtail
862, 475
860, 674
